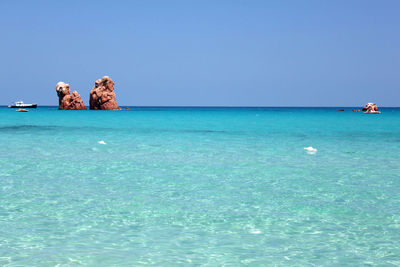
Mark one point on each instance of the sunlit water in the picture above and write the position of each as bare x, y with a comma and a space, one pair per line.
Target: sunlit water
199, 186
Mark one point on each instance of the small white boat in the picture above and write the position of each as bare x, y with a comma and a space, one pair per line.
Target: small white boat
372, 112
20, 104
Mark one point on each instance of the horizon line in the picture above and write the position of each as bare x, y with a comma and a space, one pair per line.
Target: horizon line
165, 106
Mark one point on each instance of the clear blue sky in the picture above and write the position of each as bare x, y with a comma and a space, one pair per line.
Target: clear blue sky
204, 53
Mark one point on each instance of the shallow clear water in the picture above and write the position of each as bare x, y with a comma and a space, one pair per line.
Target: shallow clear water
199, 186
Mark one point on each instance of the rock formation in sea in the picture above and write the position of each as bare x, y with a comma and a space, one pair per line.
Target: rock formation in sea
102, 95
66, 100
370, 106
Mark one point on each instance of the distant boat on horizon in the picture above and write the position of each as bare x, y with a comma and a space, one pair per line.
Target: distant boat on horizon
20, 104
372, 112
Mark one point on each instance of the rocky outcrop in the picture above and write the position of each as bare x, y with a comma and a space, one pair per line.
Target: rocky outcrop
370, 107
102, 95
66, 100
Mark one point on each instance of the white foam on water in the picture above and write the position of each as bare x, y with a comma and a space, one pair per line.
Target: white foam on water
102, 142
310, 150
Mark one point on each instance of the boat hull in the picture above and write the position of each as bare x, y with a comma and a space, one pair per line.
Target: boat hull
372, 112
23, 106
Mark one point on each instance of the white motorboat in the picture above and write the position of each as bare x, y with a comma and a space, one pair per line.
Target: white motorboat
20, 104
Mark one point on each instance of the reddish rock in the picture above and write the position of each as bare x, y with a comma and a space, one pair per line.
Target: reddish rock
67, 100
370, 107
102, 95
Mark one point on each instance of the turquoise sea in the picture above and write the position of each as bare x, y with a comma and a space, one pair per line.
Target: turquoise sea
199, 186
